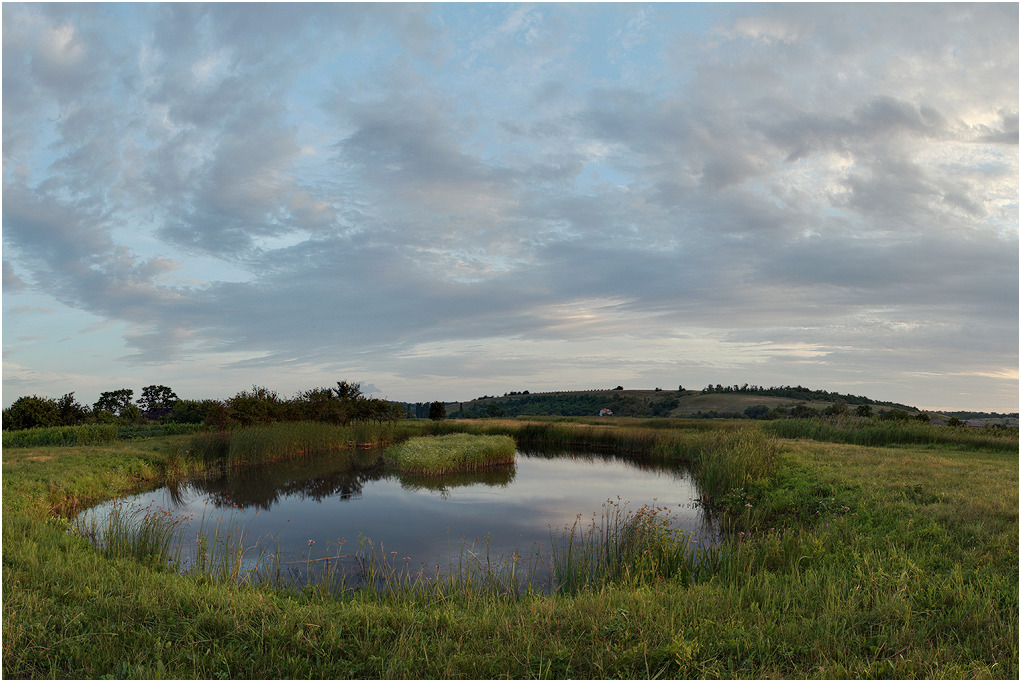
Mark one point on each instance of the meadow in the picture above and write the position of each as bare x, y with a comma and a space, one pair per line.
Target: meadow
892, 557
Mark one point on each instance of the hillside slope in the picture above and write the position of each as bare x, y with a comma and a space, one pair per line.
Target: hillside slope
642, 403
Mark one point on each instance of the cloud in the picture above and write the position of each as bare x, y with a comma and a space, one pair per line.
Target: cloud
342, 185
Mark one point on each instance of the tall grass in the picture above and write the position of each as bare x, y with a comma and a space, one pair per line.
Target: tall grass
141, 533
622, 546
459, 452
732, 460
905, 568
90, 434
876, 432
83, 434
273, 442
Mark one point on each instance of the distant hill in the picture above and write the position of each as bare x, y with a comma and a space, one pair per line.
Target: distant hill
710, 402
713, 401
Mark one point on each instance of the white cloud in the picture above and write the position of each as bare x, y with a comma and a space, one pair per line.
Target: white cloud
466, 193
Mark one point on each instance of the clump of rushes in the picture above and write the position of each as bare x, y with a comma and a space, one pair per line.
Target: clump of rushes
437, 455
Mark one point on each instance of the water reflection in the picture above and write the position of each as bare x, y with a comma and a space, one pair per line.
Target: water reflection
302, 512
497, 476
341, 474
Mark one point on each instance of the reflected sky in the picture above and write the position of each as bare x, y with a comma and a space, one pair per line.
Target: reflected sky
338, 499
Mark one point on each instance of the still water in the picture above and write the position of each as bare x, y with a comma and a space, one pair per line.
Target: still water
303, 514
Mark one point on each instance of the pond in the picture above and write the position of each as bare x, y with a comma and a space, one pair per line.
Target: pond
300, 519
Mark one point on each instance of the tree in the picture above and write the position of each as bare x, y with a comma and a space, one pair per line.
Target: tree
863, 411
157, 401
802, 411
323, 405
437, 411
258, 406
30, 411
836, 409
756, 411
195, 411
70, 411
116, 402
346, 391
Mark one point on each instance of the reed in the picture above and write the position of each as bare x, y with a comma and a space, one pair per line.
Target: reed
891, 563
438, 455
725, 461
876, 432
283, 440
83, 434
622, 546
132, 531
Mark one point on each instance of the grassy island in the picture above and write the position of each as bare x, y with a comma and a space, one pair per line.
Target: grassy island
455, 452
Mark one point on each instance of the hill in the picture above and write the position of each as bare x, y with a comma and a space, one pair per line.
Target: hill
712, 401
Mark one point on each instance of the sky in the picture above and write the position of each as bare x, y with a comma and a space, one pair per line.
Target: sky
443, 201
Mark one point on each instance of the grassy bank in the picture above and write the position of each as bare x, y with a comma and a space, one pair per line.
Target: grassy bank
846, 560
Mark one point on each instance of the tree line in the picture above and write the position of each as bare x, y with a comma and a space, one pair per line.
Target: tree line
801, 393
341, 404
567, 405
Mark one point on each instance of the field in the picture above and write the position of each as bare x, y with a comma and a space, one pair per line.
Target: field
843, 559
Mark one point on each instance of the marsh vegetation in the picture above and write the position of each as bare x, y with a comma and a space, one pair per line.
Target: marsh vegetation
843, 555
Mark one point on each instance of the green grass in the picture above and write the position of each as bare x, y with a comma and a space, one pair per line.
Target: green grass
458, 452
853, 561
878, 432
87, 434
91, 434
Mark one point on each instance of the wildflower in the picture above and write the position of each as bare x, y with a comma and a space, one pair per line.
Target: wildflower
749, 504
311, 542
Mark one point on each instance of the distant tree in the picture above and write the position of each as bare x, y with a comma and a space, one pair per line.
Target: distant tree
836, 409
494, 410
756, 411
346, 391
70, 411
115, 402
863, 411
323, 405
437, 411
258, 406
195, 411
619, 388
378, 410
30, 411
803, 412
157, 401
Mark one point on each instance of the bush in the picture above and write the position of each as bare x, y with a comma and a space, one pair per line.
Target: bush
30, 412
